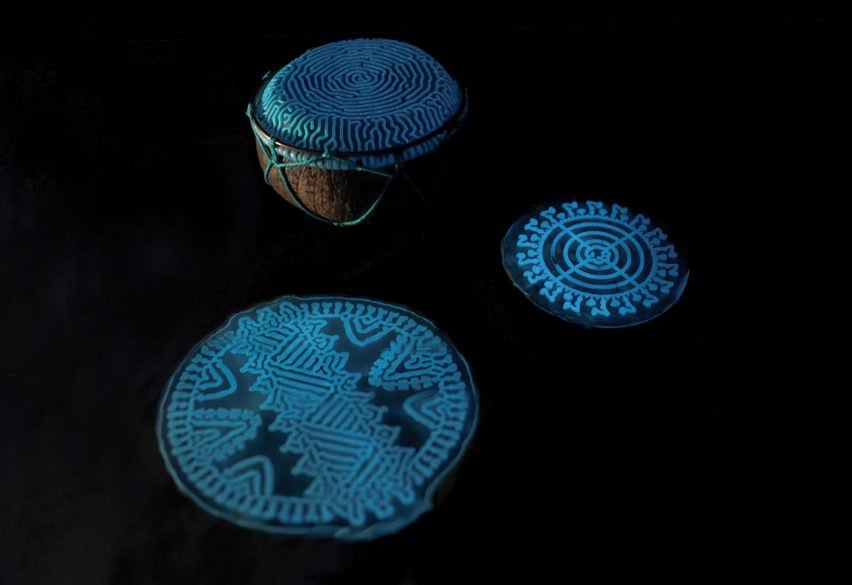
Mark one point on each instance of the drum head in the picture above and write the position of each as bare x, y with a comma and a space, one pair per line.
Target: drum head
323, 416
366, 99
595, 264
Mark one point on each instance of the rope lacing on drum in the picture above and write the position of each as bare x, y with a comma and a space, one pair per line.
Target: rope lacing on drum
274, 159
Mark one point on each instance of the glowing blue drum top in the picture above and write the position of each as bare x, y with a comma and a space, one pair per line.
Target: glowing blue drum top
594, 264
322, 416
366, 99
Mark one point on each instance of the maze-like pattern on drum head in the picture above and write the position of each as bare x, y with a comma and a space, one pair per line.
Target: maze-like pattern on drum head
320, 416
595, 264
360, 96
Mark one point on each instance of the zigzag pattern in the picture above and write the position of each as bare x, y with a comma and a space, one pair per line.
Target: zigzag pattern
321, 375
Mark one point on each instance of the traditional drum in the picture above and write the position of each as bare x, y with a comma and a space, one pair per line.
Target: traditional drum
335, 126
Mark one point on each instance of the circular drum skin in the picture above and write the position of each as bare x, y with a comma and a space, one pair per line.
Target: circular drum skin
318, 416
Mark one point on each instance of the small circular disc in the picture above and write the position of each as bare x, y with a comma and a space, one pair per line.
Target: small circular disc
319, 416
594, 264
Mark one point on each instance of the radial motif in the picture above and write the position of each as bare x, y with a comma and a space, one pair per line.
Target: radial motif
360, 96
319, 416
594, 264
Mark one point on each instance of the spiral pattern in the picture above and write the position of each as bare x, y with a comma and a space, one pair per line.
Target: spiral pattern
360, 96
595, 264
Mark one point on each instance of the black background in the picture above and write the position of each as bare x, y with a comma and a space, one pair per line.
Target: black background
134, 220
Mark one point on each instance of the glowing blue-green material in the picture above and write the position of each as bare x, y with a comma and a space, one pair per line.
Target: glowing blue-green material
320, 416
594, 264
274, 159
374, 102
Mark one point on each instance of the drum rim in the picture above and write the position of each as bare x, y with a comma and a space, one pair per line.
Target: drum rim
449, 126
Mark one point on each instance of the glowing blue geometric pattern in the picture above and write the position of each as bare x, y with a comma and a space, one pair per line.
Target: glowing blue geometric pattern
367, 99
593, 264
319, 416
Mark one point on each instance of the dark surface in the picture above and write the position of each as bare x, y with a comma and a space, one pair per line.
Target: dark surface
134, 220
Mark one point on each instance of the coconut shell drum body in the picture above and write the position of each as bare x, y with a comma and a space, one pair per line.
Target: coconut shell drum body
334, 126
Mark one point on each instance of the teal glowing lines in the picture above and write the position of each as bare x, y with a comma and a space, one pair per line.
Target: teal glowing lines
323, 416
595, 264
373, 102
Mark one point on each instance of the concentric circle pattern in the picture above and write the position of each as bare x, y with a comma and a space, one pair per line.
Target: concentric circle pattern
323, 416
360, 96
594, 264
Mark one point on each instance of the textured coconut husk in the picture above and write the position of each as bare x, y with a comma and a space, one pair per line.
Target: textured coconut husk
336, 195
